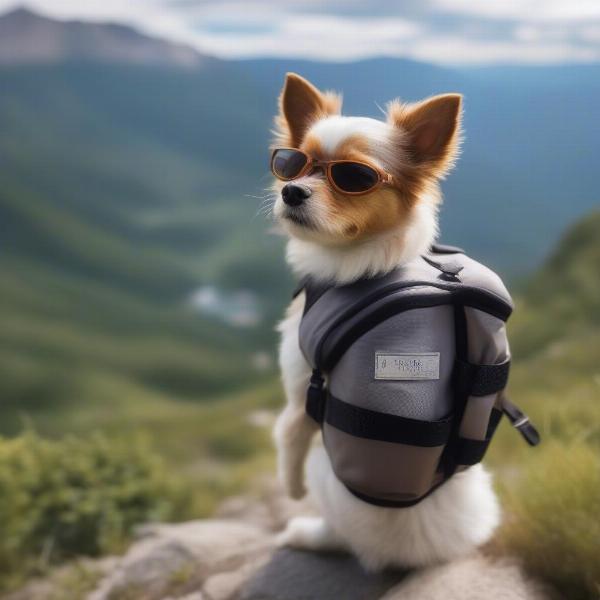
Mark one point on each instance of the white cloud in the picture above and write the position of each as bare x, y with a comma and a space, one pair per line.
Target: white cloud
334, 38
458, 50
480, 31
524, 10
591, 34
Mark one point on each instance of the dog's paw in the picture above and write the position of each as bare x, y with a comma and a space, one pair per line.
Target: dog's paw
309, 533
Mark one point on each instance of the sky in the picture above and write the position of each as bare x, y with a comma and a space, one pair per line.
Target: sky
438, 31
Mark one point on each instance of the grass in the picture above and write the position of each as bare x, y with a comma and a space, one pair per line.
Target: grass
156, 459
551, 494
212, 444
552, 517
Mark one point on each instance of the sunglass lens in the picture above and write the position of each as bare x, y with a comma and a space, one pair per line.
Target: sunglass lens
288, 164
354, 177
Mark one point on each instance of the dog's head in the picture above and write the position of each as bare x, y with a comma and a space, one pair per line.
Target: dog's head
409, 152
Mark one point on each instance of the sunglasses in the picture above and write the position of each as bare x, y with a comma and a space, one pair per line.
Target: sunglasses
346, 176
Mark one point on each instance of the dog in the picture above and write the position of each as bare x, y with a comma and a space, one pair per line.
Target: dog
342, 224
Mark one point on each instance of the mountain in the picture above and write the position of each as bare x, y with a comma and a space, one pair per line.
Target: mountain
114, 210
126, 190
29, 38
561, 301
527, 167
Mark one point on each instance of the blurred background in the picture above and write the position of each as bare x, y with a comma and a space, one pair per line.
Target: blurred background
140, 281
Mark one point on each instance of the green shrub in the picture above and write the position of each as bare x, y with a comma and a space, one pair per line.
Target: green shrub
60, 499
553, 518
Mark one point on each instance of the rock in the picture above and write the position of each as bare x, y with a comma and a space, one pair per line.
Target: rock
469, 579
297, 575
229, 584
178, 558
235, 558
81, 574
270, 509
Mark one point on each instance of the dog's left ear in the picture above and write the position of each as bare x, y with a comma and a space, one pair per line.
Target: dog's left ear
300, 105
432, 128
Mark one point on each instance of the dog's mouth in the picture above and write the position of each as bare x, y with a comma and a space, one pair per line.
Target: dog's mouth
298, 218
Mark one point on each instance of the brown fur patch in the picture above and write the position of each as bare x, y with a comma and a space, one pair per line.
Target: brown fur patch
312, 146
361, 217
358, 217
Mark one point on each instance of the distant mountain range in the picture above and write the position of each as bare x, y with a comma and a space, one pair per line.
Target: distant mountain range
132, 171
29, 38
529, 160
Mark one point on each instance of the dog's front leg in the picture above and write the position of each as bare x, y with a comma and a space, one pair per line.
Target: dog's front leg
294, 430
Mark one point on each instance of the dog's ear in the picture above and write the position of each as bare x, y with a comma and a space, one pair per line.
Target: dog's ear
432, 128
300, 105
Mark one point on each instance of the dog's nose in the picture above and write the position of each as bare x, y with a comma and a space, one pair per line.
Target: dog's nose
294, 194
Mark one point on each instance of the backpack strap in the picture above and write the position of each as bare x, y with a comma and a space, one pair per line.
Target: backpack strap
300, 287
313, 290
482, 380
316, 397
470, 452
520, 421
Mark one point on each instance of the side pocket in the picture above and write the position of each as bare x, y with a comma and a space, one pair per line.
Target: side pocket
484, 373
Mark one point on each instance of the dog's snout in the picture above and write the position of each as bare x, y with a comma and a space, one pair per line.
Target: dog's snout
294, 194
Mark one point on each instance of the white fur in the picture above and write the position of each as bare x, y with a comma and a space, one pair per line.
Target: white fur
448, 524
454, 519
378, 254
332, 131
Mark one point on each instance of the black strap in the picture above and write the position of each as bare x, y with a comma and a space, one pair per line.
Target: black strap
470, 452
385, 427
446, 249
312, 289
388, 503
483, 380
520, 421
316, 396
300, 287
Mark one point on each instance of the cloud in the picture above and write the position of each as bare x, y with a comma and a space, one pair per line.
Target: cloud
524, 10
438, 31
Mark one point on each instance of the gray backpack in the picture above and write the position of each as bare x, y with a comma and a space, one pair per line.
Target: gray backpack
409, 371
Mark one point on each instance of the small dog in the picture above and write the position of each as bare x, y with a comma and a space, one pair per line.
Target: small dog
344, 224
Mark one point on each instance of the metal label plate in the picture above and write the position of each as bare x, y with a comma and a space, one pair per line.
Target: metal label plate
402, 366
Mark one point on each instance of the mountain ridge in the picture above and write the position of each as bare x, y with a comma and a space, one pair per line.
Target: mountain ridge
27, 37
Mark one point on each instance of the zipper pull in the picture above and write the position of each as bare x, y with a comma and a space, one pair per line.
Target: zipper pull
316, 394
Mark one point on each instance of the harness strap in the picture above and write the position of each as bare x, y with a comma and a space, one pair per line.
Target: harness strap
483, 380
385, 427
316, 396
470, 452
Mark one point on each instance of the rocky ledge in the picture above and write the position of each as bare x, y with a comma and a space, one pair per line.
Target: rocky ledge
235, 557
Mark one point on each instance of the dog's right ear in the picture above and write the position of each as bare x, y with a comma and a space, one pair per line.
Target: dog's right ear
300, 105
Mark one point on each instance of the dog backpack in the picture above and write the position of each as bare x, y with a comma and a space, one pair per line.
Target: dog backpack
409, 371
